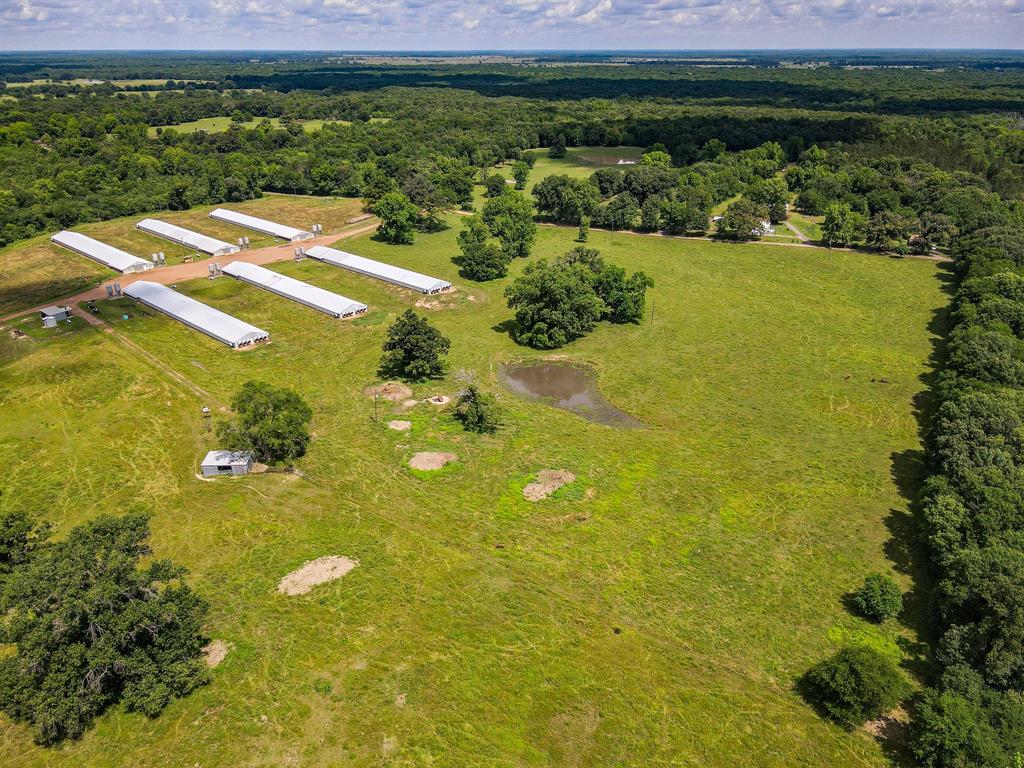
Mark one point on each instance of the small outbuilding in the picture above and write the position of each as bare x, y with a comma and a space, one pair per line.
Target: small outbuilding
53, 315
227, 463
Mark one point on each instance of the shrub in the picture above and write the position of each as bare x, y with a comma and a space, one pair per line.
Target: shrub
477, 411
879, 598
855, 685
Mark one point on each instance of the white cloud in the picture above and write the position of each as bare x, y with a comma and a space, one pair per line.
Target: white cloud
523, 24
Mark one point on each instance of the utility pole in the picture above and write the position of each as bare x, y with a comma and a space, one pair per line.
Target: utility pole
652, 310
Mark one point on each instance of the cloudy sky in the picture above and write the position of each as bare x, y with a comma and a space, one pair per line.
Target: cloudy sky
508, 24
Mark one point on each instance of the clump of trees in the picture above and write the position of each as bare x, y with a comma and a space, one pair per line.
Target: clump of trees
508, 218
477, 411
855, 685
560, 301
272, 422
414, 349
93, 622
481, 259
742, 220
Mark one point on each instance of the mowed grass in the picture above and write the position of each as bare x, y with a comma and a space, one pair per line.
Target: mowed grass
35, 271
655, 612
220, 124
579, 163
809, 225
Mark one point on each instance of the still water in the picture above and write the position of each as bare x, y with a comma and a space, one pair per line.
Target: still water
566, 387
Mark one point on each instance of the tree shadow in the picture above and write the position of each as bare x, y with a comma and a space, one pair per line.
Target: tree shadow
906, 547
507, 327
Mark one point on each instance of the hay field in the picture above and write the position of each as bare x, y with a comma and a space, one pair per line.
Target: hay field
655, 611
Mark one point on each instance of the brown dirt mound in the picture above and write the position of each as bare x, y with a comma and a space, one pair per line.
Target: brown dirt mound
215, 652
400, 425
438, 400
409, 403
548, 481
428, 460
390, 390
314, 573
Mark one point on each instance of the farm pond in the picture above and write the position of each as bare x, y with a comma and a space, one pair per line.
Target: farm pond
568, 387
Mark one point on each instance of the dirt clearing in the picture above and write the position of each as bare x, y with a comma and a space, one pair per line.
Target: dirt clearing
428, 460
399, 425
548, 481
314, 573
216, 652
390, 390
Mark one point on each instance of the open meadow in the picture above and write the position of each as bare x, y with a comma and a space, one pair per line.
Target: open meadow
220, 124
656, 611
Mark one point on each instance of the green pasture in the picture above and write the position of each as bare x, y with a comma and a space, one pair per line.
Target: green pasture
219, 124
656, 612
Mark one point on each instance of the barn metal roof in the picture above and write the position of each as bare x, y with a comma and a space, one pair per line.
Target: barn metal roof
187, 237
260, 225
304, 293
222, 458
195, 314
107, 255
378, 269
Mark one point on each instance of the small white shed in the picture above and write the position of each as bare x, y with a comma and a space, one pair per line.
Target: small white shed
52, 315
227, 463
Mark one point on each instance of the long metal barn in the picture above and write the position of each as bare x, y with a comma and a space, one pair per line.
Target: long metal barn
317, 298
187, 237
378, 269
260, 225
201, 317
107, 255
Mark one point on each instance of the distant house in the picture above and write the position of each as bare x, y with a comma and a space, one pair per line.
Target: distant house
53, 315
766, 228
626, 162
227, 463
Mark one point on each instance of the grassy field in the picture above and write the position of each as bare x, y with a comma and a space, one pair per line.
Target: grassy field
34, 271
219, 124
809, 225
579, 162
654, 612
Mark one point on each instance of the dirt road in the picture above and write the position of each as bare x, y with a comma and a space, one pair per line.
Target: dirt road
179, 273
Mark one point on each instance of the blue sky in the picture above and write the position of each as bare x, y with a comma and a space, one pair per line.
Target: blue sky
508, 24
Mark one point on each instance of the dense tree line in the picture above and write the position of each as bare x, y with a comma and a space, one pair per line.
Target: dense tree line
972, 510
88, 156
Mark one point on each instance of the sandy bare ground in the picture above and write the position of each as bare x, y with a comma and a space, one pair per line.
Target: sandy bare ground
179, 273
216, 652
548, 481
399, 425
430, 460
390, 390
314, 573
438, 400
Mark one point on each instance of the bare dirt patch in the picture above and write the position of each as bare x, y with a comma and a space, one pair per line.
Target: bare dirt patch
430, 460
548, 481
400, 425
438, 400
314, 573
390, 390
216, 652
410, 403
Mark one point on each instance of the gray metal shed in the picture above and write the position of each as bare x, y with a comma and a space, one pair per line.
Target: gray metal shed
227, 463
